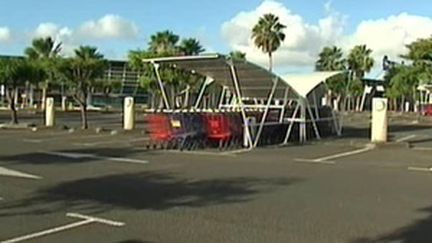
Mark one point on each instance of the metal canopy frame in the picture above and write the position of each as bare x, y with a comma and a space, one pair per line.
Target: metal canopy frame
242, 82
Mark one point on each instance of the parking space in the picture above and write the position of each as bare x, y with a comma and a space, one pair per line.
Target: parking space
268, 194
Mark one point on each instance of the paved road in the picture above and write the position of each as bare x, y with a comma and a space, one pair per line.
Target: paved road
268, 195
111, 120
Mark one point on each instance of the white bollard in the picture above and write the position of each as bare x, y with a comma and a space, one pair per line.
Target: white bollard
379, 120
63, 103
335, 105
407, 106
49, 112
129, 114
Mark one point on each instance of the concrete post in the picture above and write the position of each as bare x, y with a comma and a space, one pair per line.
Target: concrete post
407, 106
129, 113
379, 120
63, 103
49, 112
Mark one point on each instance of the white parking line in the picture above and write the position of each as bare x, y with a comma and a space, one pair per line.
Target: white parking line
40, 140
83, 155
339, 155
423, 169
84, 221
406, 138
422, 148
315, 161
112, 142
15, 173
197, 152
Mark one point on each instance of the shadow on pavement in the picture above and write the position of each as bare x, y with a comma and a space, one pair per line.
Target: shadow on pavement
417, 232
137, 191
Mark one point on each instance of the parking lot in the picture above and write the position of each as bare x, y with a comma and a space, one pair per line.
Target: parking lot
58, 185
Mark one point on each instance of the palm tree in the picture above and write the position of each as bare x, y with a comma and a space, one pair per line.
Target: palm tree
238, 55
45, 51
330, 59
164, 43
191, 46
359, 62
15, 73
268, 35
81, 73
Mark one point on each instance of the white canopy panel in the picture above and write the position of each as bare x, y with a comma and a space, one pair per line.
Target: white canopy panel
303, 84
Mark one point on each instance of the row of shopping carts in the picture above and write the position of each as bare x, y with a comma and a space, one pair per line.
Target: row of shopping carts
194, 130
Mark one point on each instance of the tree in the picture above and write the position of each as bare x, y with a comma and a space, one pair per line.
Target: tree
46, 52
420, 54
359, 62
268, 35
15, 73
331, 59
81, 73
164, 43
238, 55
190, 46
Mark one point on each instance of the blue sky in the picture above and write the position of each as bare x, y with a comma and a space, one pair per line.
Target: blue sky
190, 18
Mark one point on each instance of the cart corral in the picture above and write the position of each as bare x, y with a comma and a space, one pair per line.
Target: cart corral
254, 107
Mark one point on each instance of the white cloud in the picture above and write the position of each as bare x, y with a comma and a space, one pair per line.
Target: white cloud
5, 34
303, 41
109, 27
388, 36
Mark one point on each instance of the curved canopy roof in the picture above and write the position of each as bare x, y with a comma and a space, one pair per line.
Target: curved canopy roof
304, 84
254, 80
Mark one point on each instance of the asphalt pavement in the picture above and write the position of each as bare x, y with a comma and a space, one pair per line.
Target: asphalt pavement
83, 186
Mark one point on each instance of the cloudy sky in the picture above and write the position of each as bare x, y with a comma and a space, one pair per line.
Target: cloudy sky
221, 26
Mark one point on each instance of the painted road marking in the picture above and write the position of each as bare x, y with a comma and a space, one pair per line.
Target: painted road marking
339, 155
406, 138
31, 140
94, 156
85, 220
315, 161
112, 142
15, 173
423, 169
205, 153
422, 148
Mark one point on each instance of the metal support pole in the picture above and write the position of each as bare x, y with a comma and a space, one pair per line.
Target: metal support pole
291, 124
285, 103
302, 129
269, 100
207, 82
186, 98
315, 105
222, 96
161, 86
239, 100
314, 125
336, 124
